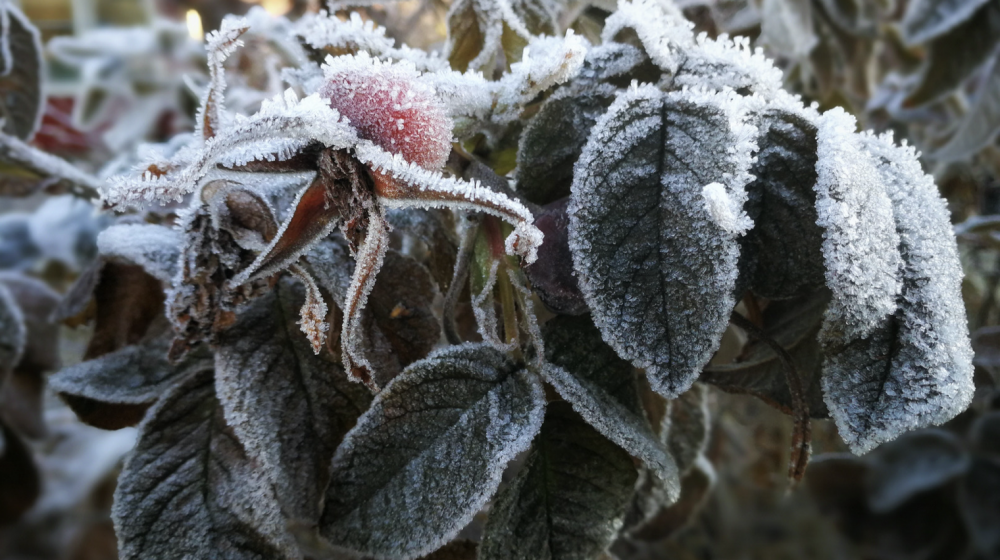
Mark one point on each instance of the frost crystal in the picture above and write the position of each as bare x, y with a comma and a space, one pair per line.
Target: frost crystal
660, 26
154, 248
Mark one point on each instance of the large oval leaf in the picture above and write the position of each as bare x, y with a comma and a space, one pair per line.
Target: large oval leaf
289, 407
655, 266
429, 452
189, 491
568, 500
21, 102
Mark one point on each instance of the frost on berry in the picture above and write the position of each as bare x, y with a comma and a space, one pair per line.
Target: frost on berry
389, 106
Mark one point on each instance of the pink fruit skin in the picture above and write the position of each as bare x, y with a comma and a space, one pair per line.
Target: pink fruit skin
395, 112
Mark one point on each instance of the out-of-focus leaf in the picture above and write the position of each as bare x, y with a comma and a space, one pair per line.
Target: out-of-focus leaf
540, 17
21, 77
644, 245
786, 26
188, 488
552, 276
794, 324
696, 485
568, 499
17, 248
465, 34
429, 452
21, 395
155, 248
128, 300
554, 138
114, 390
915, 462
289, 406
926, 19
979, 503
952, 57
25, 169
435, 229
981, 124
985, 435
13, 333
857, 17
19, 481
781, 256
602, 388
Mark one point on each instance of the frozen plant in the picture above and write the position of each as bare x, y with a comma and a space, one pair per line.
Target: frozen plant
640, 184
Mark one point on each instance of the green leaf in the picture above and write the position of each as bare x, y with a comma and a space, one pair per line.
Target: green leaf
567, 501
21, 77
189, 490
430, 451
656, 269
602, 389
289, 407
466, 37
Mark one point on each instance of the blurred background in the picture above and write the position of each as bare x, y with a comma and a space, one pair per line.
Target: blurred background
120, 72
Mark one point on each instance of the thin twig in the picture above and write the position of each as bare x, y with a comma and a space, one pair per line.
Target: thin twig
800, 408
458, 278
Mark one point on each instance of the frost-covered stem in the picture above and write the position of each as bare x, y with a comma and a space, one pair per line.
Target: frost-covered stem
459, 278
800, 408
369, 261
510, 332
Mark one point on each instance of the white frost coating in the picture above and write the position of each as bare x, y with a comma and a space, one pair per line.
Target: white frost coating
733, 63
220, 44
283, 118
859, 239
525, 239
722, 208
929, 379
154, 248
462, 93
660, 26
13, 149
546, 62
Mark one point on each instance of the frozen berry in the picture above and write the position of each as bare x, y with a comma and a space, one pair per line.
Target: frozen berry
389, 106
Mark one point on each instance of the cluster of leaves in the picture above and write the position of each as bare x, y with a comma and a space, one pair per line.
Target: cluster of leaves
303, 240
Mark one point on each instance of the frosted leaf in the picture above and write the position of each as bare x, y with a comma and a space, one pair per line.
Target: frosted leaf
155, 248
794, 324
723, 210
329, 33
567, 501
281, 119
51, 171
860, 242
433, 190
913, 369
781, 256
289, 407
21, 74
189, 490
115, 390
787, 28
602, 388
477, 29
926, 19
547, 62
912, 464
13, 333
430, 451
645, 249
979, 126
36, 302
660, 27
685, 427
614, 62
387, 104
220, 44
466, 94
553, 139
728, 63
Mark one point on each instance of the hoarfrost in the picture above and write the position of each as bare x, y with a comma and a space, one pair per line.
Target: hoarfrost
914, 368
430, 451
546, 62
602, 389
661, 28
155, 248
